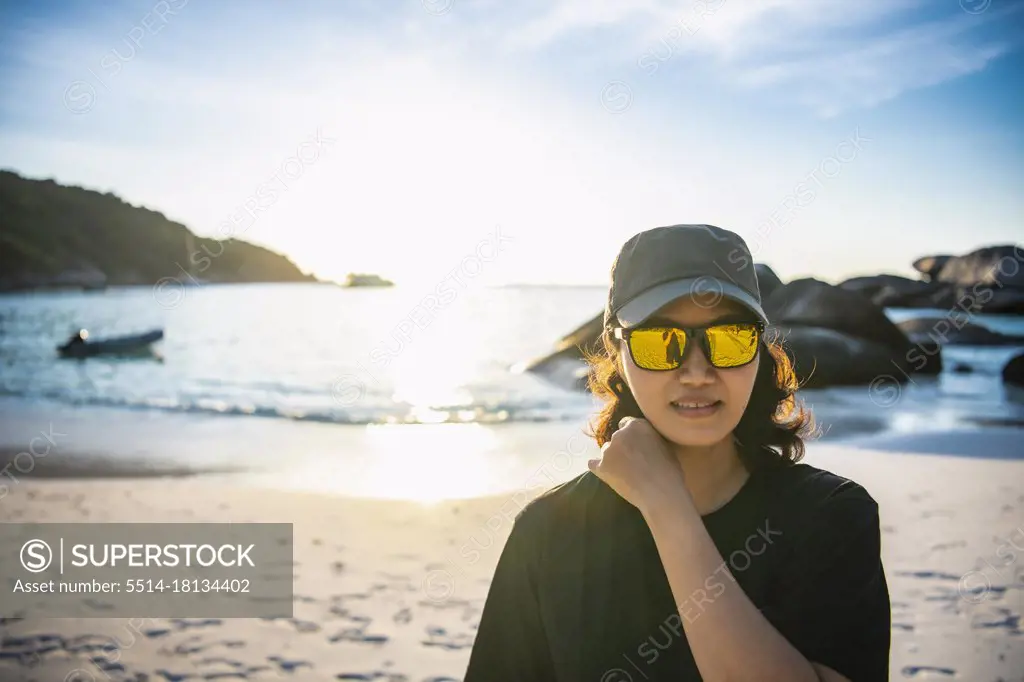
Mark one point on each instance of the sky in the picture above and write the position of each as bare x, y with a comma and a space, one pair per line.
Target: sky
838, 138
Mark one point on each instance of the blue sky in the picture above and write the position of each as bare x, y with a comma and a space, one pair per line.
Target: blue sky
838, 137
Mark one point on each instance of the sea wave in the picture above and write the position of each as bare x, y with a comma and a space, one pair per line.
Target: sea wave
490, 413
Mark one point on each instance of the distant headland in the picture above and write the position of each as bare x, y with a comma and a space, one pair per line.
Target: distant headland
58, 236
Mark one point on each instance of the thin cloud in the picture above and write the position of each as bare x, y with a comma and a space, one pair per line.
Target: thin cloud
829, 55
869, 71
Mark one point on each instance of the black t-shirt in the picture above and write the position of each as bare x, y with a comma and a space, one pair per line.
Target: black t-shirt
580, 594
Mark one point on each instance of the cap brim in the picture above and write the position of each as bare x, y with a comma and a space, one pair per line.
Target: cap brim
707, 291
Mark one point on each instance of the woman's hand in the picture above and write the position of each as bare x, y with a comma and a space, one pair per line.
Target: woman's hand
638, 464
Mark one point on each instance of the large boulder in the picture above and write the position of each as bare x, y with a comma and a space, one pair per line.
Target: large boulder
837, 336
871, 284
929, 266
767, 281
955, 330
584, 336
997, 300
894, 291
826, 357
566, 366
925, 358
1013, 372
987, 280
813, 303
999, 266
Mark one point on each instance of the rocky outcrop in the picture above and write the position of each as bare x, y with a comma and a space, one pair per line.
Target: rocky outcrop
925, 358
1013, 372
565, 366
813, 303
986, 280
995, 300
585, 336
826, 357
838, 337
767, 281
53, 235
999, 266
955, 330
929, 266
894, 291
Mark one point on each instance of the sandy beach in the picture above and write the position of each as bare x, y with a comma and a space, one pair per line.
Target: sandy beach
391, 591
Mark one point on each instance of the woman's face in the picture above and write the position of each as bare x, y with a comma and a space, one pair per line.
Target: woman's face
663, 396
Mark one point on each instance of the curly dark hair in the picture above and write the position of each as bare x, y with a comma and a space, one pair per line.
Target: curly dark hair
771, 431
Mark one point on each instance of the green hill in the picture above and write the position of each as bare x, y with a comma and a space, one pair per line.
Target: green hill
53, 235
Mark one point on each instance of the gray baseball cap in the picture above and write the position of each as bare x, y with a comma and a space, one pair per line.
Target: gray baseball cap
659, 265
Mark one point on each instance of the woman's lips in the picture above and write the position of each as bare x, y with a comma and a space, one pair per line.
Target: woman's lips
695, 409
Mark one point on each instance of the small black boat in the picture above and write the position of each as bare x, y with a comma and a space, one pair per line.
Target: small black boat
79, 345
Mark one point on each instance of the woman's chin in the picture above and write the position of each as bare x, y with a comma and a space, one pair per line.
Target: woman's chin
695, 438
696, 442
693, 435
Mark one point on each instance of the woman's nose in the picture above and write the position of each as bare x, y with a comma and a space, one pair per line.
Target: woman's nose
695, 368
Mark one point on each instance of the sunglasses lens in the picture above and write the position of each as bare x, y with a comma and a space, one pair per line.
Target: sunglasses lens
657, 349
732, 345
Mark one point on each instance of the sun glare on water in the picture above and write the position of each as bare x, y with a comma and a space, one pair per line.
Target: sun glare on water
433, 459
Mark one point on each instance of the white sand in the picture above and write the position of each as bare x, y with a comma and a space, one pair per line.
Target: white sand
384, 593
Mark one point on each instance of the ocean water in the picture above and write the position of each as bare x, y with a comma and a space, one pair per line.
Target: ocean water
302, 351
321, 353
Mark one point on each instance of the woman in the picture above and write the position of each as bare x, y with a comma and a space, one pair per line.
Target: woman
696, 547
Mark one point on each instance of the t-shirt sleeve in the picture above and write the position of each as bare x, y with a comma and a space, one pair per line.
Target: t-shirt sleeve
510, 643
831, 600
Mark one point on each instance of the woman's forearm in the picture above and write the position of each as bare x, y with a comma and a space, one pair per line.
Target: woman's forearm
729, 637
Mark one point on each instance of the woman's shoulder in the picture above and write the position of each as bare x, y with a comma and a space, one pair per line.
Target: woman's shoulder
802, 484
815, 505
570, 502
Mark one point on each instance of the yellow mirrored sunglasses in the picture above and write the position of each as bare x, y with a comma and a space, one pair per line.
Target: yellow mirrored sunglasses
661, 349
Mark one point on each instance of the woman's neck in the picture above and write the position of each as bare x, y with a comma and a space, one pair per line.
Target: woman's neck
714, 473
